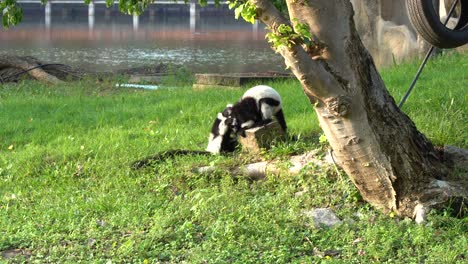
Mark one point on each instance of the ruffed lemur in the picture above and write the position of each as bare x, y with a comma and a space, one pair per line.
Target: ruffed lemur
256, 108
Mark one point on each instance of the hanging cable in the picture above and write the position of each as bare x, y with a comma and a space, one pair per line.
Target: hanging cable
3, 80
426, 58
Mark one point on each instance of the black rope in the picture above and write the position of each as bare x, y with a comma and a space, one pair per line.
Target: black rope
2, 80
426, 58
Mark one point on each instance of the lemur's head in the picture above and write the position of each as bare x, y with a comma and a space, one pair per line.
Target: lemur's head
229, 120
227, 112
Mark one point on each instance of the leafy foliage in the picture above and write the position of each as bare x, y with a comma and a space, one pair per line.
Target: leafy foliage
245, 9
133, 7
288, 36
12, 13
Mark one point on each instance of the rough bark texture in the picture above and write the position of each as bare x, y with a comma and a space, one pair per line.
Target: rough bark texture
259, 138
392, 164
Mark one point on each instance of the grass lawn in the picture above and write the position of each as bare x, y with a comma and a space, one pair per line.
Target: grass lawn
68, 195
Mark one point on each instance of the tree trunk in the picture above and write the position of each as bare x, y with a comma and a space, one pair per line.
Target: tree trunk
393, 165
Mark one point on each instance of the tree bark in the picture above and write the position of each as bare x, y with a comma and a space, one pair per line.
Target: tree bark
395, 167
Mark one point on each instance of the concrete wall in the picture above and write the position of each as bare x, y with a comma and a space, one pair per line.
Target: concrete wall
386, 31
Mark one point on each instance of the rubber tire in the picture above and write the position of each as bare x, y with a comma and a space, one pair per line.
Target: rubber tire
427, 23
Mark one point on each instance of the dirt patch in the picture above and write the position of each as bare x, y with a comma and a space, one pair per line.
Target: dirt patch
15, 252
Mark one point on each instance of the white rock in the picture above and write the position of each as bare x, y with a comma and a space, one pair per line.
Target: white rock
322, 217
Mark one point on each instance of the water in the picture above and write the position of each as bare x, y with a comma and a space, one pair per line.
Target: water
216, 43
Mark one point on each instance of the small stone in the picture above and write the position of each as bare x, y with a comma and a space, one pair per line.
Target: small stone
323, 217
332, 252
91, 242
329, 158
301, 193
14, 252
100, 222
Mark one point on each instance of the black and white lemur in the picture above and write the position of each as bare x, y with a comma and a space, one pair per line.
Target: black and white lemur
256, 108
222, 136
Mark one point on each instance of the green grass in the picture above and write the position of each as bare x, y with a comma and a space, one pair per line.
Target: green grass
439, 101
67, 194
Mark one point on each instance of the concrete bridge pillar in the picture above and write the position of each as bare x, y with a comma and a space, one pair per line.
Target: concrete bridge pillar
152, 13
91, 15
255, 30
194, 16
136, 22
48, 14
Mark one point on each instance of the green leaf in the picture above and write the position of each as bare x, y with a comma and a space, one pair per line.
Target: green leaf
323, 139
203, 2
109, 3
288, 29
5, 20
232, 4
238, 11
249, 12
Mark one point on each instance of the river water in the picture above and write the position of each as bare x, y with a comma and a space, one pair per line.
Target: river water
217, 42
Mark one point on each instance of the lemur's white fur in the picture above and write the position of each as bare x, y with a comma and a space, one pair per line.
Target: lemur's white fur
247, 124
214, 142
263, 91
257, 107
222, 138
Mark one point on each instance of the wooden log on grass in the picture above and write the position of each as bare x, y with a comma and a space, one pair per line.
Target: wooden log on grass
259, 138
14, 66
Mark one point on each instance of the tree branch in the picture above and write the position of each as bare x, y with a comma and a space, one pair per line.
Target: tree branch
325, 19
321, 84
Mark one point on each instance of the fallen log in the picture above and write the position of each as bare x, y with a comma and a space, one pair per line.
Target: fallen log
15, 68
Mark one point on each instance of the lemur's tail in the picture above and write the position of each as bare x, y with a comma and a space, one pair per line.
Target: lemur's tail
161, 156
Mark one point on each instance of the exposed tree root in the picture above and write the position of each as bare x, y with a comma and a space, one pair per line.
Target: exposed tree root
447, 193
450, 192
259, 170
458, 161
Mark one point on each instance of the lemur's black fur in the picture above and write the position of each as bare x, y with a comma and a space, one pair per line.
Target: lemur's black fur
229, 141
256, 108
222, 137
